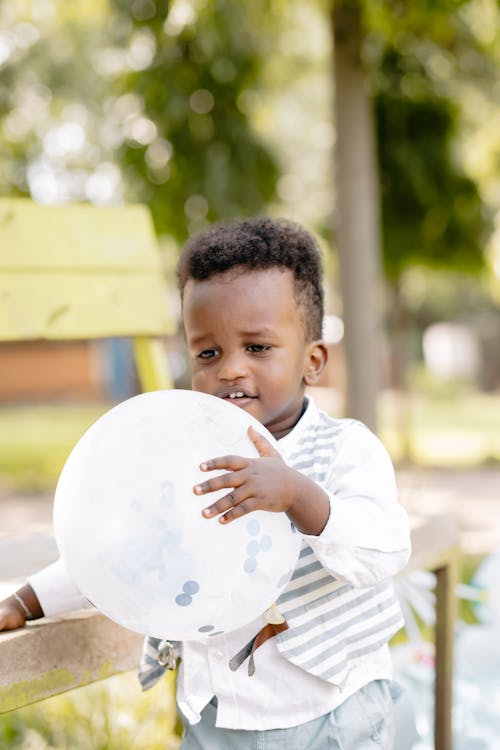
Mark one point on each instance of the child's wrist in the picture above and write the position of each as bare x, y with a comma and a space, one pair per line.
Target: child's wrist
310, 508
26, 601
19, 604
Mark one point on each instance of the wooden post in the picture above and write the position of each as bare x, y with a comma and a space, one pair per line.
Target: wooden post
434, 543
446, 581
151, 361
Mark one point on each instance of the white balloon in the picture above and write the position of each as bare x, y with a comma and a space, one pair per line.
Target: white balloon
130, 531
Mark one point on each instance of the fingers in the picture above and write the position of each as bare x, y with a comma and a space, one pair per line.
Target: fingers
231, 463
10, 616
231, 506
242, 509
223, 481
237, 498
246, 480
263, 446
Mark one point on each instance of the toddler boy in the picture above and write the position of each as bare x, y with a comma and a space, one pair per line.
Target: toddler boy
253, 308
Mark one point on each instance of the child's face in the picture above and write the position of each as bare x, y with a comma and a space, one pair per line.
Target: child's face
246, 342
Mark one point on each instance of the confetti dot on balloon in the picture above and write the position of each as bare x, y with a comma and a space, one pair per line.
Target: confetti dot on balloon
253, 548
250, 565
183, 600
191, 587
266, 543
253, 527
205, 628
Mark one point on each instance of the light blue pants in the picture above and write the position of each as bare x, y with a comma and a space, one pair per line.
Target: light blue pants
365, 721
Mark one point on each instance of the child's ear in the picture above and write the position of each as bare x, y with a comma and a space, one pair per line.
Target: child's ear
317, 356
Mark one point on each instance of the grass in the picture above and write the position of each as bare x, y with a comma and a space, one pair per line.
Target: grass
111, 715
35, 441
442, 429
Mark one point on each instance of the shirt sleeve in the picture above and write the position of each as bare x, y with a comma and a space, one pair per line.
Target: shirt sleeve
367, 536
55, 590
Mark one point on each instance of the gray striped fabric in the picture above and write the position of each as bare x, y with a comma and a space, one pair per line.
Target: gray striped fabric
150, 669
331, 624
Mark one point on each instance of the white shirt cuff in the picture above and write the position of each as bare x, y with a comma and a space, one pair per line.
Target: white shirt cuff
55, 590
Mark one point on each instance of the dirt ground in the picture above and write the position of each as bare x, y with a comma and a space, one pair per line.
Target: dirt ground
472, 496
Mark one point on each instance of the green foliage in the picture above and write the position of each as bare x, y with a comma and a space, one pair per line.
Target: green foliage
432, 213
422, 57
158, 101
145, 101
197, 92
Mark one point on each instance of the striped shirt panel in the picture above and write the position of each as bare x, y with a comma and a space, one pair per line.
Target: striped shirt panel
346, 626
331, 623
338, 606
336, 669
338, 655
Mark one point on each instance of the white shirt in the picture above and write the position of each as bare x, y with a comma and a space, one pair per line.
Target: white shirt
365, 540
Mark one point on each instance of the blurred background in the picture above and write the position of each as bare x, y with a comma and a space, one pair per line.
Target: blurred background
350, 117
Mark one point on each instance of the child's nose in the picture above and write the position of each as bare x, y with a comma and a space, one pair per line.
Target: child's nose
233, 367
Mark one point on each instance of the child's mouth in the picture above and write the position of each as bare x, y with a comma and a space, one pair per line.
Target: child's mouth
239, 398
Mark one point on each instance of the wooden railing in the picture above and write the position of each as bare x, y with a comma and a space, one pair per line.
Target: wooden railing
51, 656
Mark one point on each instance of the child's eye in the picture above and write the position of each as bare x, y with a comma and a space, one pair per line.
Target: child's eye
207, 354
258, 348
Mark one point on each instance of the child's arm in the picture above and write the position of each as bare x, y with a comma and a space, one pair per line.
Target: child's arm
367, 537
49, 592
355, 525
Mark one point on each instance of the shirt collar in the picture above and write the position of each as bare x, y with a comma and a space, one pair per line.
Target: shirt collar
287, 443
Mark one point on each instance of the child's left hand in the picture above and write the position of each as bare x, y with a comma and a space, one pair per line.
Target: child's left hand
264, 483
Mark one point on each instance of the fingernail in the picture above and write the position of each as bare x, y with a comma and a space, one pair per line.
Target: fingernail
206, 512
203, 467
197, 489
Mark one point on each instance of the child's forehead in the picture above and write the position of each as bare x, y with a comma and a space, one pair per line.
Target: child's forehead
241, 295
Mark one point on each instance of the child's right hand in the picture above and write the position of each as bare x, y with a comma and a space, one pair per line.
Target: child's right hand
11, 614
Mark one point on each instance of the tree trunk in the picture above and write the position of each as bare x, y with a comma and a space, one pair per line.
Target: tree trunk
357, 217
401, 335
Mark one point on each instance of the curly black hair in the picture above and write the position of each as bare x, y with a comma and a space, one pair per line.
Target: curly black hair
260, 243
